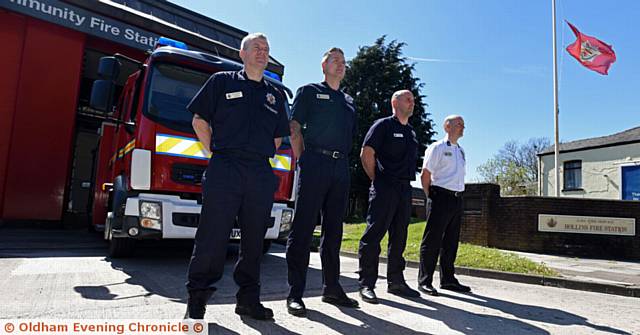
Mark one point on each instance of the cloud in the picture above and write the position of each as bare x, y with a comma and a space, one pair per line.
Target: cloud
527, 70
438, 60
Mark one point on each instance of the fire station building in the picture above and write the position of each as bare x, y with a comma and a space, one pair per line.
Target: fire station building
50, 52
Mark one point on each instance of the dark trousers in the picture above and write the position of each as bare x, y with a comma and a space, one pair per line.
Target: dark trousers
323, 189
232, 187
441, 236
389, 210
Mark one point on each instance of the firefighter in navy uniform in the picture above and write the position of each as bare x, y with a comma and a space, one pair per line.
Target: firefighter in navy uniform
443, 183
329, 120
241, 117
389, 156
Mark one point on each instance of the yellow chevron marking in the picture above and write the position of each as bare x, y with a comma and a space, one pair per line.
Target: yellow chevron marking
194, 149
281, 162
168, 144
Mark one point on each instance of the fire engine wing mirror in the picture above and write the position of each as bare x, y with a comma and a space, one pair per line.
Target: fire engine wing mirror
102, 96
109, 68
103, 89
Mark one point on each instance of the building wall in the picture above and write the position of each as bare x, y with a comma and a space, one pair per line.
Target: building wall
511, 223
600, 171
38, 114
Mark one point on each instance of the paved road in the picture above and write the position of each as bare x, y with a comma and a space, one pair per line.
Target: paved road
625, 273
80, 282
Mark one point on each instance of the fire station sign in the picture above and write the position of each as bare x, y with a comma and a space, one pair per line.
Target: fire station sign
85, 21
586, 224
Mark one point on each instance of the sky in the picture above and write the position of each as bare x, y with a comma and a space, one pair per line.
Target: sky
490, 61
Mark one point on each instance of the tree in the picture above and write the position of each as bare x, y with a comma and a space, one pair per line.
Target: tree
371, 78
515, 167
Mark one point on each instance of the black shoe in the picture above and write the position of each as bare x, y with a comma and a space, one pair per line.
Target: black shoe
456, 287
256, 311
428, 289
402, 289
197, 303
368, 295
340, 300
296, 307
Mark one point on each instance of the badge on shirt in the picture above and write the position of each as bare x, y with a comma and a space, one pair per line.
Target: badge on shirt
234, 95
271, 99
348, 98
323, 96
448, 153
398, 135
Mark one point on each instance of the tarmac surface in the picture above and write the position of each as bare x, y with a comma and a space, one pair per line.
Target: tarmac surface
66, 274
624, 273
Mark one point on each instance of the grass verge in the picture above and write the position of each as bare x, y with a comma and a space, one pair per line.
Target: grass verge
469, 255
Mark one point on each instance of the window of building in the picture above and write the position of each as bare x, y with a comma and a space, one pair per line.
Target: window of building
572, 175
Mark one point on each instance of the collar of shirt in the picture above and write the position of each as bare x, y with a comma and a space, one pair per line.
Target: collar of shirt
326, 85
395, 118
242, 75
446, 140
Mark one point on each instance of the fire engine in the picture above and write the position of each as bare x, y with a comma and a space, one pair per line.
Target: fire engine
149, 162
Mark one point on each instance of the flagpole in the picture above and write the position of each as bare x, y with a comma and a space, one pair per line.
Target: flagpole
555, 101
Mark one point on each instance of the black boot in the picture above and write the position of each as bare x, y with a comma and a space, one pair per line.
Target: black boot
197, 303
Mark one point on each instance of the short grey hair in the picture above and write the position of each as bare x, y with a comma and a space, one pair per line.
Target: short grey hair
400, 93
328, 53
247, 39
450, 118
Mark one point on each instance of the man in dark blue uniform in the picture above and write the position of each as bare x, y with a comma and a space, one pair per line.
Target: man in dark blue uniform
389, 155
329, 120
241, 117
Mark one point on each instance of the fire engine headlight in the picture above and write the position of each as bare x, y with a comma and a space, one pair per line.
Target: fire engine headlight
285, 220
151, 210
151, 215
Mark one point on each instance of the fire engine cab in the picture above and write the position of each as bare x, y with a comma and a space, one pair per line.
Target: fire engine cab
149, 162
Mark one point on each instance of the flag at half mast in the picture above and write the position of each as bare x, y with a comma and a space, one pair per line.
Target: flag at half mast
591, 52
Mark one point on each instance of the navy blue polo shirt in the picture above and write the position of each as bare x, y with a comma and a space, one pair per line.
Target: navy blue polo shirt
396, 148
327, 116
244, 114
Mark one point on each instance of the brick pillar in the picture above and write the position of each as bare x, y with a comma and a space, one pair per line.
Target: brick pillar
480, 202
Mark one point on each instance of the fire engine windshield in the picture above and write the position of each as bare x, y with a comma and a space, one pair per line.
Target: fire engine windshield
171, 88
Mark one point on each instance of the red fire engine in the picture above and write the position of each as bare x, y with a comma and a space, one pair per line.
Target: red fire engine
149, 162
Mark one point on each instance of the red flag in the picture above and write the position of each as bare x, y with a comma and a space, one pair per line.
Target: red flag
591, 52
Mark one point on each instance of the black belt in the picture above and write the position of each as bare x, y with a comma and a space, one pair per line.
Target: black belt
437, 189
240, 154
332, 154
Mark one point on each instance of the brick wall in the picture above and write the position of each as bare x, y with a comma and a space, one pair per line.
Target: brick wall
512, 223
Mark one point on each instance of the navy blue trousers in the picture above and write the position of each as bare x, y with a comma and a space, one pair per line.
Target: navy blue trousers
323, 190
232, 188
389, 211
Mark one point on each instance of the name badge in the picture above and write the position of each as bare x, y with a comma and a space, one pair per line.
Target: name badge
398, 135
448, 153
234, 95
323, 96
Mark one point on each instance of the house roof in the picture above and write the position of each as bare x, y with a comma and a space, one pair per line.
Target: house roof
624, 137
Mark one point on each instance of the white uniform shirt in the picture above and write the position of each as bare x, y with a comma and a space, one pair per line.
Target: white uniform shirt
446, 162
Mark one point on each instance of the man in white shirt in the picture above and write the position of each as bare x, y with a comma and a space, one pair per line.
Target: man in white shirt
443, 182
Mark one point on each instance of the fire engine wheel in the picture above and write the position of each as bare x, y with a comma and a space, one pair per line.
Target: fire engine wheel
121, 247
266, 246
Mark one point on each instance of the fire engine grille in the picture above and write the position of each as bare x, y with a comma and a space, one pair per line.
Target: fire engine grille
187, 173
191, 220
185, 219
